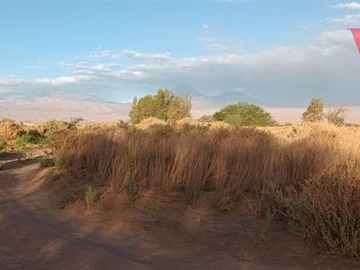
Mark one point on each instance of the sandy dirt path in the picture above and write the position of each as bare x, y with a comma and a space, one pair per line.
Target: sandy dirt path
35, 234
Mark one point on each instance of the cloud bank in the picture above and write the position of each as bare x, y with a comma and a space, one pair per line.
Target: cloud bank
284, 75
352, 6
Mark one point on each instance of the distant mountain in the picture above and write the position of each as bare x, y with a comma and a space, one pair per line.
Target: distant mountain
220, 99
187, 89
38, 109
234, 97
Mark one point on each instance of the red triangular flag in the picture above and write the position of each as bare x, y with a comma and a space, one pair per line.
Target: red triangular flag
356, 35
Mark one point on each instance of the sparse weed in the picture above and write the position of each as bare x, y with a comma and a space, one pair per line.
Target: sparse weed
90, 196
60, 162
70, 197
129, 187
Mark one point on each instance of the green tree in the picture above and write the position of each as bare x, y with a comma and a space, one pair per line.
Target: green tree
164, 105
244, 114
314, 112
336, 116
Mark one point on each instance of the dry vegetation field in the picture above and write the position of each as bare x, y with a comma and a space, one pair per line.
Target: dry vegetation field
307, 176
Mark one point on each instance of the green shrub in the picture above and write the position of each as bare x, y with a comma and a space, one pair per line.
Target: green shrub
28, 139
60, 162
2, 145
244, 114
164, 105
47, 162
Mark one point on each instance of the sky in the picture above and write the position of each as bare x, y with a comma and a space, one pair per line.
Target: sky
275, 53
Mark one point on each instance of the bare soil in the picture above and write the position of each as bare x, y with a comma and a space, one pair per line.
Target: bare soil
35, 233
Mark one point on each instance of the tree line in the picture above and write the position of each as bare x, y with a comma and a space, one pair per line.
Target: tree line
168, 106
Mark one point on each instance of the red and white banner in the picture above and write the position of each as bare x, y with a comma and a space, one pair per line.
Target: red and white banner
356, 34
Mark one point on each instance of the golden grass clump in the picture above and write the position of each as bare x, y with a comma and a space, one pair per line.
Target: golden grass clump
51, 127
151, 121
309, 176
9, 130
218, 125
190, 122
325, 209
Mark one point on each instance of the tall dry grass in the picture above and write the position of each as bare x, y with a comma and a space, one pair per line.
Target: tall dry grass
308, 176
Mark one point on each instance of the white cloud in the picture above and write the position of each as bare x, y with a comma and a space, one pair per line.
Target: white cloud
205, 26
40, 82
35, 67
60, 81
352, 5
103, 54
347, 20
136, 56
287, 75
88, 69
335, 37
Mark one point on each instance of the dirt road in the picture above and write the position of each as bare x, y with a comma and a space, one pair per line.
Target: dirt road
36, 234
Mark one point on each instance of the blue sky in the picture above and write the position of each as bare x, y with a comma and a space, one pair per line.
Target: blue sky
44, 33
277, 52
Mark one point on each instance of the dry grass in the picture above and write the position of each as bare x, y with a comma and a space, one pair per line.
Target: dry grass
151, 121
9, 130
308, 176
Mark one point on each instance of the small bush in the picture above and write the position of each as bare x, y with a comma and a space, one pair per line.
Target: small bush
129, 187
244, 114
326, 209
28, 139
2, 145
74, 123
70, 198
52, 127
47, 162
90, 196
60, 162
